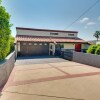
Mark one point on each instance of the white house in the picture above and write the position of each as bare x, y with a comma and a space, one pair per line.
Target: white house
46, 42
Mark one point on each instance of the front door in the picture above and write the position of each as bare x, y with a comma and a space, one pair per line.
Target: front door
78, 47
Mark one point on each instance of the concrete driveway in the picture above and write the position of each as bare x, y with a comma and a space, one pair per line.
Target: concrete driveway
52, 79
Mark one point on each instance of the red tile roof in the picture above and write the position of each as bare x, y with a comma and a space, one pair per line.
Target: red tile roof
48, 39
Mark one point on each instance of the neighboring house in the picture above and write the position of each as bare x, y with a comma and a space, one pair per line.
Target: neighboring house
94, 42
46, 42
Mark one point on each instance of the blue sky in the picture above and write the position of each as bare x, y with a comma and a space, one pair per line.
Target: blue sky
54, 14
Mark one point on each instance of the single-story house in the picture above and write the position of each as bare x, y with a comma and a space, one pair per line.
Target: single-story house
31, 41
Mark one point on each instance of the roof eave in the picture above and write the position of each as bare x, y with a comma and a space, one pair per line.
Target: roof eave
36, 29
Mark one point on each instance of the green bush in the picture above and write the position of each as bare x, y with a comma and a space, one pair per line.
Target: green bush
98, 45
62, 45
98, 50
12, 46
92, 49
5, 33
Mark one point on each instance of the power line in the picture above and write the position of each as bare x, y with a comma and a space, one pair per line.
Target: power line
83, 13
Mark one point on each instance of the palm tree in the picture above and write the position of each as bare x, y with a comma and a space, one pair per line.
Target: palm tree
97, 35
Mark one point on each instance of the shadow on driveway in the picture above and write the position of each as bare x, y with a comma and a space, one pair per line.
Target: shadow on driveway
36, 57
38, 60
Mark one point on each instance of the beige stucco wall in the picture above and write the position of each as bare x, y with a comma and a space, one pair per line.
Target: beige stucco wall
69, 46
43, 33
72, 46
6, 68
53, 48
85, 46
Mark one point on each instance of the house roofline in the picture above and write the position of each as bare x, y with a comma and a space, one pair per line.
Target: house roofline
48, 39
50, 30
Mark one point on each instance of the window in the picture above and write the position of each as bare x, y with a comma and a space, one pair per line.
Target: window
45, 43
24, 43
40, 44
61, 45
70, 34
30, 43
53, 33
35, 43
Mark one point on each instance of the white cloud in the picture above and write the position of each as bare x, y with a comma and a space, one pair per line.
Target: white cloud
90, 23
84, 20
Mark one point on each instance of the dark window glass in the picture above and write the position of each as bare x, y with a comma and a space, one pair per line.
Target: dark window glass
70, 34
53, 33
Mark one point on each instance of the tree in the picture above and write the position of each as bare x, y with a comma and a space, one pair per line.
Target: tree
97, 35
12, 46
5, 32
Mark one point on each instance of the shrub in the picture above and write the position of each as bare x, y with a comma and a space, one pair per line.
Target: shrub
5, 32
98, 45
12, 46
98, 50
92, 49
62, 45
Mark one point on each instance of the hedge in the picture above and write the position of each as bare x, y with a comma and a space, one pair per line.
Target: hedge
98, 50
5, 33
94, 49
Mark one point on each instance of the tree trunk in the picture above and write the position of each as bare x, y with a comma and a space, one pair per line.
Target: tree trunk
97, 39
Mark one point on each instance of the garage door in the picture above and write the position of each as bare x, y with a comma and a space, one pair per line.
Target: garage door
34, 48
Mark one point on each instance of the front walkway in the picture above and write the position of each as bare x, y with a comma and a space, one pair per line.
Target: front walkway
52, 79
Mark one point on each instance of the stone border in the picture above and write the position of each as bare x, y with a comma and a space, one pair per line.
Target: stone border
6, 67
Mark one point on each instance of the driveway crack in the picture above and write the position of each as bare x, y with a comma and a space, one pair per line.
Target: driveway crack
50, 96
